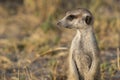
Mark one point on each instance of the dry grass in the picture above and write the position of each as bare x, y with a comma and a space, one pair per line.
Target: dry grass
118, 58
30, 32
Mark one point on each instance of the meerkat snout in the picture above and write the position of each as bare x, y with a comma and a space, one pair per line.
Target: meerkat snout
58, 23
79, 19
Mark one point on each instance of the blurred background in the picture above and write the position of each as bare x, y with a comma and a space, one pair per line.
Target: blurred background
32, 47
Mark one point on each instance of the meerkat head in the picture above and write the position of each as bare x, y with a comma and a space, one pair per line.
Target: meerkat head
79, 19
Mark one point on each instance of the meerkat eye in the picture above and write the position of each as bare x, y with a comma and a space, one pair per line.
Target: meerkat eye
71, 17
88, 20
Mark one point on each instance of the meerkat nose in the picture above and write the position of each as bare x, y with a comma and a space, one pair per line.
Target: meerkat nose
59, 23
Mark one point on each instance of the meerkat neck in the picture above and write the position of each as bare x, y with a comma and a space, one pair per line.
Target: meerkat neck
86, 30
85, 33
87, 38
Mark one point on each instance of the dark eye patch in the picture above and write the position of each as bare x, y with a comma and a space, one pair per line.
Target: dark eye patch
71, 17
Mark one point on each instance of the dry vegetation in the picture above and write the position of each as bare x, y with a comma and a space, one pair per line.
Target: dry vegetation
33, 48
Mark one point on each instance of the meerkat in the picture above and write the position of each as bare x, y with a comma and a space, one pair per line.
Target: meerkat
84, 60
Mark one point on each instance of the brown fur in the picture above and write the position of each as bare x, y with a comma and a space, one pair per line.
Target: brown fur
84, 52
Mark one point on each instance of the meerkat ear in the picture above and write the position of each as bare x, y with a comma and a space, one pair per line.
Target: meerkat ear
88, 20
